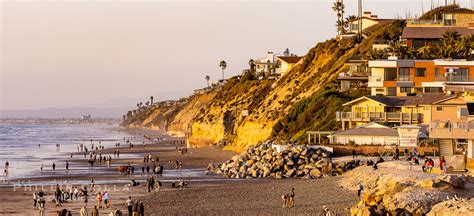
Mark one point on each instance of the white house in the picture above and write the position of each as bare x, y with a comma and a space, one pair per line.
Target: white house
267, 64
377, 134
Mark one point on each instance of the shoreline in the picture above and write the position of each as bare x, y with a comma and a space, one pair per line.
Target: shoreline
248, 192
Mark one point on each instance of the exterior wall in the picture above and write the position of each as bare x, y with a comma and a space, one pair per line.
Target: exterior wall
367, 106
365, 140
366, 23
449, 113
284, 67
463, 20
431, 79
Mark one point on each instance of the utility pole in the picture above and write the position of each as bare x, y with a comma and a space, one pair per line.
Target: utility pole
359, 29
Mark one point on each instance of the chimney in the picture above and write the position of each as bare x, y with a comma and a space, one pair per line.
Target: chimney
367, 14
271, 57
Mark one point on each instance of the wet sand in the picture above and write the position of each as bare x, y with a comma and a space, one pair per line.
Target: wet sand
206, 195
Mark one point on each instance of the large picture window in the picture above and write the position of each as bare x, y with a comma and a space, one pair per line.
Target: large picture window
390, 74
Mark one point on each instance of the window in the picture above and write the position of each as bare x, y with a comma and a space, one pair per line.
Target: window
437, 72
404, 74
354, 27
390, 74
420, 72
419, 90
433, 89
458, 74
405, 90
391, 91
379, 90
463, 112
439, 108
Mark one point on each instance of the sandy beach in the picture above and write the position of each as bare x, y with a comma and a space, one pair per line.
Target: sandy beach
206, 194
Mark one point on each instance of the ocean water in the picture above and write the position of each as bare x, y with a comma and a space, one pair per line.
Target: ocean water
27, 146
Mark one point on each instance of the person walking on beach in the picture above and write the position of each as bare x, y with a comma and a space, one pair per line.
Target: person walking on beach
67, 167
35, 199
41, 204
95, 211
54, 166
141, 209
442, 165
291, 200
83, 211
99, 199
129, 205
41, 168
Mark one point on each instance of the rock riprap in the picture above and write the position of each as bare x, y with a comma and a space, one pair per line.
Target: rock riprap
263, 161
410, 193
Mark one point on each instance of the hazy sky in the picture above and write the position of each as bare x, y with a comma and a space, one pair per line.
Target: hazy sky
112, 53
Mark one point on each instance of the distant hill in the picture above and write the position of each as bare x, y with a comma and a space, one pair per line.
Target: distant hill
73, 112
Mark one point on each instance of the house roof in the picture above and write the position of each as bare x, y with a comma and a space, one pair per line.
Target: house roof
290, 59
458, 11
420, 99
432, 32
370, 129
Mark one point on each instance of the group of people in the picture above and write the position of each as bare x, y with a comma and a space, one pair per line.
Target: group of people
134, 207
5, 169
428, 165
289, 199
152, 184
63, 195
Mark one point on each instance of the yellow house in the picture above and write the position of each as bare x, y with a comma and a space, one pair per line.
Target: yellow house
285, 63
395, 111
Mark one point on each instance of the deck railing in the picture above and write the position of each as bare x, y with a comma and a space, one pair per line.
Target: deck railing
379, 116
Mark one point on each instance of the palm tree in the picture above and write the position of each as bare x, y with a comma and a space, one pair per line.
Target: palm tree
375, 54
207, 79
427, 52
151, 100
338, 7
464, 46
349, 19
223, 66
400, 50
449, 41
252, 65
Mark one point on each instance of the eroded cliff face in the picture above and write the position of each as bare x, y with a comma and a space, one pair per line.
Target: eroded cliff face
303, 99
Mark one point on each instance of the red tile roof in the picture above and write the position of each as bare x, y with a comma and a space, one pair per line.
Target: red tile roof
290, 59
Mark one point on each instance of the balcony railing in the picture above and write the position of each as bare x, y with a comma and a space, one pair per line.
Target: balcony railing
452, 130
380, 117
404, 78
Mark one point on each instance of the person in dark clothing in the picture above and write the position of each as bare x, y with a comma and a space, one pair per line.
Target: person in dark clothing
54, 166
141, 210
292, 198
354, 153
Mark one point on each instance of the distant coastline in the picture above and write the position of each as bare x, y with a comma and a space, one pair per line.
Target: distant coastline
110, 121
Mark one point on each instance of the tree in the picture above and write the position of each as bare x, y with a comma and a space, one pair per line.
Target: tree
448, 44
375, 54
428, 52
338, 7
151, 100
400, 50
207, 79
252, 65
223, 66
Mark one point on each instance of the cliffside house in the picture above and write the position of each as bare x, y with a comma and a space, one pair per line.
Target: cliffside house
356, 76
405, 77
376, 134
456, 135
266, 65
419, 33
417, 110
286, 63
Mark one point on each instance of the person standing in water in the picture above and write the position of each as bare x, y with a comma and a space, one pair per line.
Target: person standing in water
5, 170
67, 167
54, 166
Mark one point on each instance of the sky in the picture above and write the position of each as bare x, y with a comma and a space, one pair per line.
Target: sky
60, 54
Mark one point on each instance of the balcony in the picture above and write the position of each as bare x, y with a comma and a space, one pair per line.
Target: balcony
452, 130
408, 118
375, 81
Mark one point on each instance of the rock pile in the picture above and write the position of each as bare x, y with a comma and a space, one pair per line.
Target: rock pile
460, 207
405, 194
296, 161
